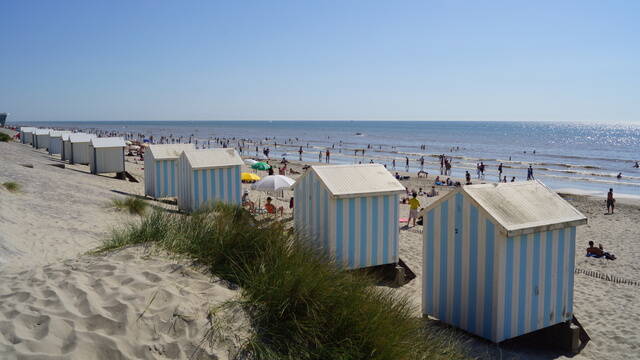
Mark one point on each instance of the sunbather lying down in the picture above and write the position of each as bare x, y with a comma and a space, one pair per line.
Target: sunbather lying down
598, 252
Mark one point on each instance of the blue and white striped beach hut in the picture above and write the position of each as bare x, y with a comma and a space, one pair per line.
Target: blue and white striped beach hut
498, 259
207, 176
26, 134
351, 211
160, 167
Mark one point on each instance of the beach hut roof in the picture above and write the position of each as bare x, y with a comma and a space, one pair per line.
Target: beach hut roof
354, 180
169, 151
80, 138
55, 133
212, 158
107, 142
42, 131
521, 207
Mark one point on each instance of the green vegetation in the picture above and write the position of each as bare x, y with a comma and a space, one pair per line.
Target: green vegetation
300, 304
12, 186
132, 204
4, 137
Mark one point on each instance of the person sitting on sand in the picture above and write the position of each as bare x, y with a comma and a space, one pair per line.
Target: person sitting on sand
248, 203
433, 192
610, 201
599, 252
437, 181
414, 204
272, 209
449, 182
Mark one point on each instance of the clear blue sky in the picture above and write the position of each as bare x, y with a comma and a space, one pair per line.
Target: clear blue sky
411, 60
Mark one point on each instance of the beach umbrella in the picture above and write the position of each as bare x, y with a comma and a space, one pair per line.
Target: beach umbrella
249, 161
273, 183
261, 166
249, 177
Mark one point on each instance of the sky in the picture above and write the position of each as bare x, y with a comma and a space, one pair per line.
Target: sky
320, 60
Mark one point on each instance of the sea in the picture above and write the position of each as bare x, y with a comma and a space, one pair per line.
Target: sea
571, 157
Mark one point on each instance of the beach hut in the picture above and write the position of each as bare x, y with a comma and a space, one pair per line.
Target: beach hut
106, 155
65, 155
41, 138
160, 167
350, 211
207, 176
80, 153
498, 259
26, 134
55, 142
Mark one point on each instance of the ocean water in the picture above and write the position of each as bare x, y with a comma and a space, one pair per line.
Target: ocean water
582, 157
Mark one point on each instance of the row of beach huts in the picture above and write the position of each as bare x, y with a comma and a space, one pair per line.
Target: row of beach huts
498, 259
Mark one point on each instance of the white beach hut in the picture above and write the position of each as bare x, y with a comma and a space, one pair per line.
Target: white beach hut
80, 153
209, 175
26, 134
65, 155
498, 260
41, 138
106, 155
55, 142
160, 168
351, 211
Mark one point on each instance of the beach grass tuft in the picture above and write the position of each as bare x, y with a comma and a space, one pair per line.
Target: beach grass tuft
4, 137
11, 186
132, 204
301, 305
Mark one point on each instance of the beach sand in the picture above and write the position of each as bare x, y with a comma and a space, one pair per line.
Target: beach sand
55, 299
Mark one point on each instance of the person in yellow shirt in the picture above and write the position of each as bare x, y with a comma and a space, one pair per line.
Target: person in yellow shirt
414, 205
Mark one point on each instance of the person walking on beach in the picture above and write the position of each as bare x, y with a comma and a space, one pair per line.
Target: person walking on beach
610, 201
482, 169
530, 173
499, 171
300, 153
422, 163
320, 157
394, 164
327, 154
406, 162
467, 177
414, 204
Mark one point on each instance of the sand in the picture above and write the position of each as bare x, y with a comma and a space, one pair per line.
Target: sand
57, 301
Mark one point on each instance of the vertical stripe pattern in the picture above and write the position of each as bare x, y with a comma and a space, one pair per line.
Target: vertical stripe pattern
496, 287
356, 231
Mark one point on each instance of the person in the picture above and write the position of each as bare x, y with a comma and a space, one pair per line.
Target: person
393, 163
327, 154
248, 203
619, 176
499, 171
504, 180
437, 181
422, 172
513, 179
414, 204
467, 177
636, 165
270, 170
610, 201
272, 209
599, 252
397, 176
530, 173
291, 203
320, 157
449, 182
407, 162
300, 153
433, 192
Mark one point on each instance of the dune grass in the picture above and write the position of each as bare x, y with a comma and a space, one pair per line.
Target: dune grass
4, 137
300, 304
11, 186
133, 205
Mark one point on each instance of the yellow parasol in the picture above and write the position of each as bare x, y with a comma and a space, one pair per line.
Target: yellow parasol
249, 177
